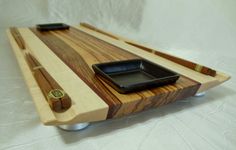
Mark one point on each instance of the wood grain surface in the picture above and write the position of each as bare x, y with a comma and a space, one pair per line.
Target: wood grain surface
194, 66
87, 106
45, 113
206, 81
19, 40
79, 50
186, 63
67, 56
49, 86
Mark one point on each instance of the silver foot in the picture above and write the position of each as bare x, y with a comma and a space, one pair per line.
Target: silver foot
200, 94
74, 127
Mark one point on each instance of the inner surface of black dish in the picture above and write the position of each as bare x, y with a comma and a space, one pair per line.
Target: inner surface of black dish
133, 75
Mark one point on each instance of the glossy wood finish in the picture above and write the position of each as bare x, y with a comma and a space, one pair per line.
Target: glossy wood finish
86, 105
41, 105
206, 81
67, 56
79, 51
186, 63
58, 102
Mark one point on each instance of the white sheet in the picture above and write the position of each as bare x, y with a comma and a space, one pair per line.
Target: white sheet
202, 31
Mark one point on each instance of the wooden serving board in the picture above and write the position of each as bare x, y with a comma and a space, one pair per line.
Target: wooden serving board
67, 56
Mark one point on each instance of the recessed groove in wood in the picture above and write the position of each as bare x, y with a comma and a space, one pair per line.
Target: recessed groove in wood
186, 63
48, 85
98, 30
45, 113
19, 40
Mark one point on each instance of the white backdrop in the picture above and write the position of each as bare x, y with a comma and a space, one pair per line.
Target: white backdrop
199, 30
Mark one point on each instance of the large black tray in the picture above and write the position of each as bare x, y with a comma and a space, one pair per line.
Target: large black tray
133, 75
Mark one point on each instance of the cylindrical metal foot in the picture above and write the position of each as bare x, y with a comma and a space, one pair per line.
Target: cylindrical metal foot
200, 94
74, 127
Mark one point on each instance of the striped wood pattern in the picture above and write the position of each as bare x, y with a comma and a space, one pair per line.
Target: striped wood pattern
206, 81
78, 50
90, 101
186, 63
86, 106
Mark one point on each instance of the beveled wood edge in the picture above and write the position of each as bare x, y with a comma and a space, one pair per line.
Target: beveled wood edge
219, 79
47, 116
206, 81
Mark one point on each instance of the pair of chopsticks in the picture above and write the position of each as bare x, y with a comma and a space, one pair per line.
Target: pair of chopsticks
56, 97
191, 65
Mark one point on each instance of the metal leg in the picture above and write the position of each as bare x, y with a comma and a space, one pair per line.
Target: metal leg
74, 127
200, 94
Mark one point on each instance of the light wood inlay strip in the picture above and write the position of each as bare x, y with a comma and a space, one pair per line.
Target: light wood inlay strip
78, 63
67, 56
45, 113
88, 106
186, 63
206, 81
50, 88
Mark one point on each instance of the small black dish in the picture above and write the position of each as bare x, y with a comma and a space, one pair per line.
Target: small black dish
134, 75
52, 26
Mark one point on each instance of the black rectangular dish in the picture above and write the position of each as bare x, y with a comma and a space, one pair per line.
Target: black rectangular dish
134, 75
52, 26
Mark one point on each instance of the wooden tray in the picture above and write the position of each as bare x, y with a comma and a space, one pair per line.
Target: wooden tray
67, 56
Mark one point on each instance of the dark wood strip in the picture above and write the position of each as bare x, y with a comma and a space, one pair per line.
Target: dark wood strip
102, 49
100, 46
18, 38
77, 63
145, 100
79, 50
91, 48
